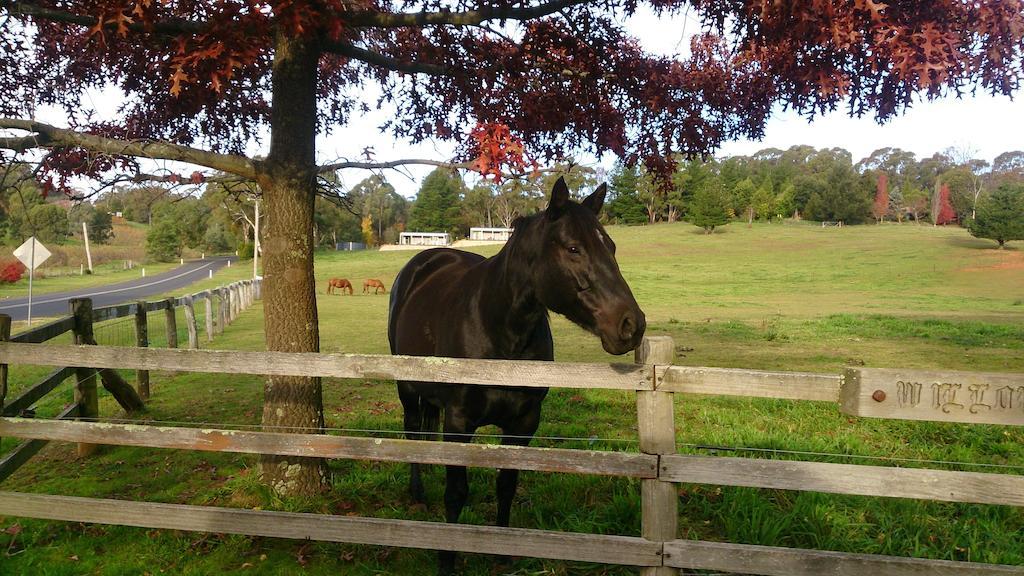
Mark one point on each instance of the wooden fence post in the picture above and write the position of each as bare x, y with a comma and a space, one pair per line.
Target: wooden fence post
142, 341
222, 314
208, 298
656, 423
229, 305
5, 335
86, 394
171, 324
190, 323
233, 297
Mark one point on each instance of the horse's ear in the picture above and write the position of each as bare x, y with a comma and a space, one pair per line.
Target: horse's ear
596, 199
559, 198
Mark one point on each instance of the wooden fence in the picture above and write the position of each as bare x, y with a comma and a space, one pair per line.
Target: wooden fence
222, 306
898, 394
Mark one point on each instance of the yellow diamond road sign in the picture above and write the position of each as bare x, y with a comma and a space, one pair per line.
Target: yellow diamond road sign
28, 258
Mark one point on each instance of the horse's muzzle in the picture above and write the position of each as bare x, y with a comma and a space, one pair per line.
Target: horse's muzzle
630, 328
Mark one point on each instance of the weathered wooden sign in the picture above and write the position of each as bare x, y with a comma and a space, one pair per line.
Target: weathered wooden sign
946, 396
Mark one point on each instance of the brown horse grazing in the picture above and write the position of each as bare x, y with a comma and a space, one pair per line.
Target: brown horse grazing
340, 283
451, 303
375, 284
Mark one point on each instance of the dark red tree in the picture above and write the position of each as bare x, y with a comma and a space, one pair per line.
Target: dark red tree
204, 78
881, 207
946, 213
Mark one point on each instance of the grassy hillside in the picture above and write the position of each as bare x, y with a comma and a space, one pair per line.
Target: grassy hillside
792, 297
62, 271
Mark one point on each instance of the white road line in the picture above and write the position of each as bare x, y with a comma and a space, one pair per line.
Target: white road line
37, 302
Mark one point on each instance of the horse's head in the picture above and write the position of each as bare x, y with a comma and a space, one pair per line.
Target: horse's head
575, 273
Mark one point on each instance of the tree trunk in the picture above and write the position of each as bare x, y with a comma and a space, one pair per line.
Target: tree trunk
288, 180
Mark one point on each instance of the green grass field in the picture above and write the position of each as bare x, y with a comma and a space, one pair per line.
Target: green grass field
787, 297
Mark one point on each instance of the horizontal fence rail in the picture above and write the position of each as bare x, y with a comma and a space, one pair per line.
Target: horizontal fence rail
625, 550
851, 479
946, 396
599, 462
10, 462
47, 331
776, 561
749, 383
35, 393
455, 370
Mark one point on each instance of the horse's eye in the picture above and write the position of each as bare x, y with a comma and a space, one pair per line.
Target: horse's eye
574, 249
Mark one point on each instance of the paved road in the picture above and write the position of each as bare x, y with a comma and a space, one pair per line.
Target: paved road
56, 303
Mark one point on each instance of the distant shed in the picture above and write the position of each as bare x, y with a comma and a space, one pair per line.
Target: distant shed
350, 246
424, 239
495, 234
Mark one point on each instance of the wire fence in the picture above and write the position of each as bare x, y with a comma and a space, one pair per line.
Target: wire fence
119, 332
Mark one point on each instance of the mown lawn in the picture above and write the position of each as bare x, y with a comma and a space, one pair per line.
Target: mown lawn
786, 297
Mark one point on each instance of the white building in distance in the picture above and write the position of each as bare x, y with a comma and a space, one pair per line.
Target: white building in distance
494, 234
424, 239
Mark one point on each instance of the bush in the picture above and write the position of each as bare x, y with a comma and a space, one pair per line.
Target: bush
245, 250
11, 272
1000, 216
101, 227
164, 241
710, 207
217, 239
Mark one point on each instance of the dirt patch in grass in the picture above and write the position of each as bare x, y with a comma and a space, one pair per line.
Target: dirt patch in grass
1005, 261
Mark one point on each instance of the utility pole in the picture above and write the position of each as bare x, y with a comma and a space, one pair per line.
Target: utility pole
88, 253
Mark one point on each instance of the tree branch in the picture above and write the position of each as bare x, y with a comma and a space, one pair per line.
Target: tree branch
377, 59
392, 164
171, 26
326, 168
355, 19
373, 19
47, 136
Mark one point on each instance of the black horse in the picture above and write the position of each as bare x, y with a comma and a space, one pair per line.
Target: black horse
451, 303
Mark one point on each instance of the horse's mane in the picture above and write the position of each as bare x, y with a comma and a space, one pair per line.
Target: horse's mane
518, 245
521, 222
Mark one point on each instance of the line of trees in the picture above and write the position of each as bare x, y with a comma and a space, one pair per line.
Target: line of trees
25, 210
801, 182
821, 185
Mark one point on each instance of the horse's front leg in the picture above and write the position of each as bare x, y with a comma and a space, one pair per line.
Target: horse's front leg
412, 407
508, 479
456, 491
